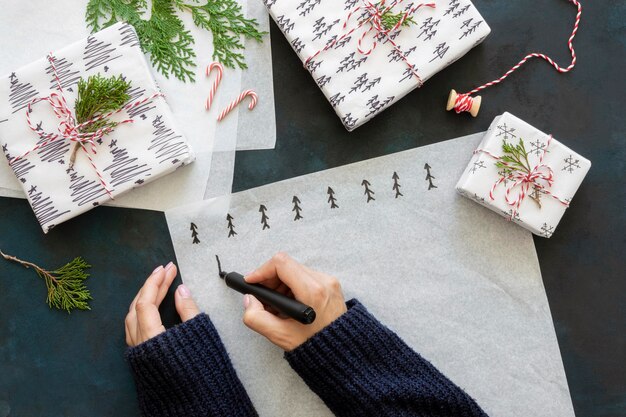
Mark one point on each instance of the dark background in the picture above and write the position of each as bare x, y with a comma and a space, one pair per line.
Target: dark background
58, 365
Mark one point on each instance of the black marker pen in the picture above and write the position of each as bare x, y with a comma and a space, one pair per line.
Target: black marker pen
288, 306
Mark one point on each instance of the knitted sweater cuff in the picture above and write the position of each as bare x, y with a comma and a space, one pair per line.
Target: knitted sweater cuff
186, 371
359, 367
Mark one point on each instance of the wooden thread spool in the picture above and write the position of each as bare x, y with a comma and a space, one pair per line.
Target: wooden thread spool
465, 103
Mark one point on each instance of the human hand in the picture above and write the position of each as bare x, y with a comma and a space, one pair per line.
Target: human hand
287, 276
143, 321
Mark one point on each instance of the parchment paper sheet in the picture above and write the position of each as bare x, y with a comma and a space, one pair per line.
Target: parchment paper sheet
458, 282
29, 30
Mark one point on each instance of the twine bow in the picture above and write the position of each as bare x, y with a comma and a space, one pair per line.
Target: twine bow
540, 178
374, 17
69, 130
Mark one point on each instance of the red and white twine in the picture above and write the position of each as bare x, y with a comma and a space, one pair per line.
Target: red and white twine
525, 180
374, 17
216, 82
69, 130
245, 93
464, 101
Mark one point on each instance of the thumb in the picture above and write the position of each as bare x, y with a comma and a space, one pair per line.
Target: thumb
186, 307
261, 320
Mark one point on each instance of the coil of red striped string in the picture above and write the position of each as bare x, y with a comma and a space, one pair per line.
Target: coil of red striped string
216, 82
540, 178
376, 29
465, 103
67, 127
245, 93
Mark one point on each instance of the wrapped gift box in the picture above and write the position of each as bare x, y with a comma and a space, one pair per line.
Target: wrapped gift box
544, 201
131, 155
358, 84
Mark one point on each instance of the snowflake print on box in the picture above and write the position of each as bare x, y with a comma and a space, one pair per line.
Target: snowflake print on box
134, 153
523, 174
340, 40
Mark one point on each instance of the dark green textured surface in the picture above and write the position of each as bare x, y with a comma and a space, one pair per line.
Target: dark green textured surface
55, 365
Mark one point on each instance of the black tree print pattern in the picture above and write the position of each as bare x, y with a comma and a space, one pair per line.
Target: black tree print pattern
98, 53
375, 105
264, 217
84, 191
428, 29
125, 168
20, 94
469, 27
129, 36
166, 144
194, 234
396, 185
44, 208
68, 76
440, 51
350, 63
429, 177
307, 6
230, 225
137, 93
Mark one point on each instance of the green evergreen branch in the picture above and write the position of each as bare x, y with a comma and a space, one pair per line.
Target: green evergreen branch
516, 158
389, 19
97, 96
66, 288
165, 38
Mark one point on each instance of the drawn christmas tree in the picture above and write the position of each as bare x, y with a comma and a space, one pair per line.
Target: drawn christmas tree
194, 233
66, 76
440, 51
470, 29
307, 6
231, 226
323, 80
368, 192
331, 198
296, 207
297, 45
336, 99
20, 94
396, 184
264, 217
285, 24
429, 177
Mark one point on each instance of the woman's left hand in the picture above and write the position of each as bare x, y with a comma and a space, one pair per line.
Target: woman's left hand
143, 321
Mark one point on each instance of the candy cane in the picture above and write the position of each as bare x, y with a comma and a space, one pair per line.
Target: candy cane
245, 93
220, 72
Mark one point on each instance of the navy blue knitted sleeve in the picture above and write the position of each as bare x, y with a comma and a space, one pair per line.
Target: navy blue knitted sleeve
186, 372
359, 367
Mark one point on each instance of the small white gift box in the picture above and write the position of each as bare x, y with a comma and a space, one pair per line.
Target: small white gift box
147, 146
533, 193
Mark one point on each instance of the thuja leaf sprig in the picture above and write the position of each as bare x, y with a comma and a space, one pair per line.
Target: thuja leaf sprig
515, 157
164, 37
389, 19
98, 95
66, 288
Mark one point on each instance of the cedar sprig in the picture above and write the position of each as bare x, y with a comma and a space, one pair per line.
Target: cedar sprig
389, 19
165, 38
516, 157
66, 288
98, 95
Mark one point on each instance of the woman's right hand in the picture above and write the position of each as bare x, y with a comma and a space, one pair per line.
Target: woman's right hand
287, 276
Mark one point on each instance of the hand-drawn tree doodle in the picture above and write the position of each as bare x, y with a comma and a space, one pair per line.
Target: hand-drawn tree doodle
194, 233
296, 207
331, 198
429, 177
396, 184
368, 192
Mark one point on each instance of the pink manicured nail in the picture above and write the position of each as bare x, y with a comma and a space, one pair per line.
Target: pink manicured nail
184, 291
169, 265
157, 269
246, 301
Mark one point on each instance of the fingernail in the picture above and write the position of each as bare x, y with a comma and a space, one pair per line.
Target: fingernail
246, 301
248, 274
169, 265
184, 291
157, 269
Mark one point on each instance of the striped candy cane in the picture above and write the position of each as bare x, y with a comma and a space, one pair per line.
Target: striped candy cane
245, 93
220, 72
